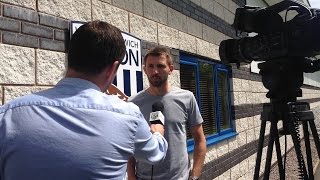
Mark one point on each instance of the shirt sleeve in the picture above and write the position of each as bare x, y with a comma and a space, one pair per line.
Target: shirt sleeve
194, 115
149, 148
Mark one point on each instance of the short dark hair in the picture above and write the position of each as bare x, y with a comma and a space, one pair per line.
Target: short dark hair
94, 46
158, 51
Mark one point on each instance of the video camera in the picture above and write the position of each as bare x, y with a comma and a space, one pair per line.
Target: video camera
298, 38
287, 48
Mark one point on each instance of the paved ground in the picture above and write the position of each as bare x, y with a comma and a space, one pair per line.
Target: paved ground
316, 113
317, 172
291, 164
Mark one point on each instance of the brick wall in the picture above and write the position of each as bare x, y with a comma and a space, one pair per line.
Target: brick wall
218, 15
25, 27
33, 43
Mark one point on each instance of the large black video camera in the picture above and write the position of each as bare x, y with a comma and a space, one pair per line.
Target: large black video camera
288, 48
277, 37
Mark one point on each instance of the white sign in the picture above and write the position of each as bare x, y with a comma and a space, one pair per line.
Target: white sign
74, 26
131, 62
129, 76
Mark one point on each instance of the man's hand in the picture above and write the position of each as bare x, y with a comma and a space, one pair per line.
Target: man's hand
131, 171
157, 128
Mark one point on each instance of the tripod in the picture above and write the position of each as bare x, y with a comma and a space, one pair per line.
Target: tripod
283, 79
297, 112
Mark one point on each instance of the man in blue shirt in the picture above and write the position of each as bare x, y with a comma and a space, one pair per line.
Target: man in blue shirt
75, 130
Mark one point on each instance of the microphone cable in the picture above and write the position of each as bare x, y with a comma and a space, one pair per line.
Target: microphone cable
151, 172
157, 106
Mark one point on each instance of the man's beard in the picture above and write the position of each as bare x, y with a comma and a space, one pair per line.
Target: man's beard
157, 81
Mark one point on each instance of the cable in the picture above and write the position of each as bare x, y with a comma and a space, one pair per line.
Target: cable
151, 172
301, 165
285, 154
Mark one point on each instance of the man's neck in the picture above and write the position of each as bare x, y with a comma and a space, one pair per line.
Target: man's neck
74, 74
159, 91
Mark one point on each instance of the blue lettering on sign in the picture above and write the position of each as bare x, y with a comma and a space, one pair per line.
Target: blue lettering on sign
131, 57
127, 82
132, 44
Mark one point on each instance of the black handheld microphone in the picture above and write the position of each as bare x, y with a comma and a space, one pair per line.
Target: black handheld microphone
156, 116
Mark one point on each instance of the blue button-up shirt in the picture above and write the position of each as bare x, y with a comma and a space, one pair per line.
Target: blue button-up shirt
72, 132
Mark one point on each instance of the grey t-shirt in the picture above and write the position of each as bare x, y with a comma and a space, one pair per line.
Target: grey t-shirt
180, 110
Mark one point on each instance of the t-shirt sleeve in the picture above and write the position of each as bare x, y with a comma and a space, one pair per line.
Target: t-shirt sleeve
194, 115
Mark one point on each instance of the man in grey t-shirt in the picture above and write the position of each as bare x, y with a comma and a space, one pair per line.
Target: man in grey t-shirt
180, 111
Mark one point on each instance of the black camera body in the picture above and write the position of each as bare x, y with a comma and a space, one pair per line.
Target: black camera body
287, 47
277, 38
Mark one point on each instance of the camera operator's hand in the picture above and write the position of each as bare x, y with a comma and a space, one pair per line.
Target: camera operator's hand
157, 128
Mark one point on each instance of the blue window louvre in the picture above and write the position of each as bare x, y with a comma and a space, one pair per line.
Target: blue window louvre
220, 135
220, 68
189, 61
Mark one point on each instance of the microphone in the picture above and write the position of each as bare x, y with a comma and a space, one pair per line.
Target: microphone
156, 116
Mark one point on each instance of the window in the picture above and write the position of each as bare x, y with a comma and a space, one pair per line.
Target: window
209, 82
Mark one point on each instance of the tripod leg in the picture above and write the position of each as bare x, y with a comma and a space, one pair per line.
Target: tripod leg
279, 158
315, 136
308, 150
260, 147
269, 156
274, 138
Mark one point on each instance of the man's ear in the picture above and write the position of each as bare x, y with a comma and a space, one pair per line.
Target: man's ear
171, 67
115, 67
112, 71
144, 68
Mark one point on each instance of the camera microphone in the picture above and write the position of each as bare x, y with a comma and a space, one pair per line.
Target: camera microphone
156, 116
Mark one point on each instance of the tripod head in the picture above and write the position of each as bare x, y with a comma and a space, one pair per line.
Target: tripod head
283, 77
